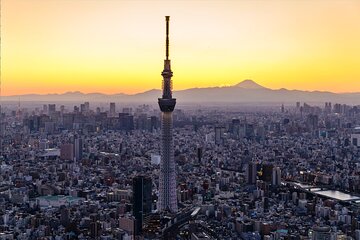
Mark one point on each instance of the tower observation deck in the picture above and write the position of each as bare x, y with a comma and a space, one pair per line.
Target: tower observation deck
167, 178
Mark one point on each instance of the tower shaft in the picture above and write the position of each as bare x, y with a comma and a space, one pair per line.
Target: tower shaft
167, 178
167, 181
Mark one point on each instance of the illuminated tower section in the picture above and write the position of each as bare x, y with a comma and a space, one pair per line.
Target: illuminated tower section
167, 181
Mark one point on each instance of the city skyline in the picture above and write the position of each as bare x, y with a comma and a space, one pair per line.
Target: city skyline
95, 46
259, 139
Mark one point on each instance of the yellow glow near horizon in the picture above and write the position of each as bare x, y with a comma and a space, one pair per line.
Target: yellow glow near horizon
54, 46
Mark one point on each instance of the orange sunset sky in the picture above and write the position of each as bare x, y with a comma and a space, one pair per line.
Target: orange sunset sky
112, 46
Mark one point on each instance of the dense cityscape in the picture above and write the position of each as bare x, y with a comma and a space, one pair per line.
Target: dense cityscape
213, 169
93, 173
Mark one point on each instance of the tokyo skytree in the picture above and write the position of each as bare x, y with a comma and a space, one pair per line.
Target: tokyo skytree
167, 181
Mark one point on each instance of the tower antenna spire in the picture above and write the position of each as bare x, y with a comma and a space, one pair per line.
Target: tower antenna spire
1, 115
167, 36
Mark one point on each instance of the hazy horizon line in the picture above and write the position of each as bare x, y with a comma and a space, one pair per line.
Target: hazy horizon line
177, 90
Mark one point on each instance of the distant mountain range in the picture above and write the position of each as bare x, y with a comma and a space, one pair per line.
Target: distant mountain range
246, 91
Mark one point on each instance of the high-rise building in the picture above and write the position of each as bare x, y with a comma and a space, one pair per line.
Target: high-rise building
51, 109
251, 173
87, 107
67, 151
76, 109
127, 223
276, 176
153, 122
355, 137
327, 108
357, 234
312, 121
82, 108
267, 172
126, 122
45, 109
321, 233
78, 148
167, 181
235, 127
95, 229
219, 135
43, 144
64, 216
199, 154
112, 109
142, 200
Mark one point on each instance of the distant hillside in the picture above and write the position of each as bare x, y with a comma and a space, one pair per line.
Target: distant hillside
246, 91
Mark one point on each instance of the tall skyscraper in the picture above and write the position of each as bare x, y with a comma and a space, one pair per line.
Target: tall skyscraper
276, 176
51, 109
78, 148
167, 181
219, 135
112, 109
251, 173
141, 200
87, 107
267, 171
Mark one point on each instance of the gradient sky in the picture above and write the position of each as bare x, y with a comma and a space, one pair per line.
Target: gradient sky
112, 46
